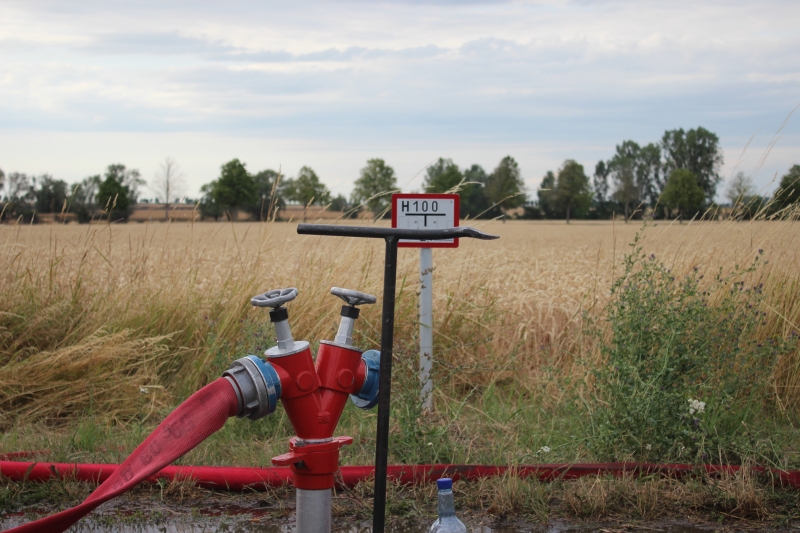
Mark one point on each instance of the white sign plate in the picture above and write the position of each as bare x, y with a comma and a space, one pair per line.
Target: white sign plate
425, 211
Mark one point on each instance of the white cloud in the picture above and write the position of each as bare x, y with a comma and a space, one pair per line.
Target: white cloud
539, 80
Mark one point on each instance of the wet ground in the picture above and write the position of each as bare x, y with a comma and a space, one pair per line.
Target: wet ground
160, 518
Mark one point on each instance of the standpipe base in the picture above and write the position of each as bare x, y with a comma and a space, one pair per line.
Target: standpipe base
313, 513
313, 465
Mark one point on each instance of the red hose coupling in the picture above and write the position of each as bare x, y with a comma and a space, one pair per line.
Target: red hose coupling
313, 464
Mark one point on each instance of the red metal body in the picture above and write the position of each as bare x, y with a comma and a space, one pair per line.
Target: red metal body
314, 397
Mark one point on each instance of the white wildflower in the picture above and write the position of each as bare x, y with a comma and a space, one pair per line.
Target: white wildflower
430, 444
144, 390
544, 449
696, 406
648, 447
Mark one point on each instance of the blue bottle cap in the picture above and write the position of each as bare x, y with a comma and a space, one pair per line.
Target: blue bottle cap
445, 483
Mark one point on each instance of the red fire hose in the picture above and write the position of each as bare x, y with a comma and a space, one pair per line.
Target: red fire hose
206, 411
247, 478
190, 424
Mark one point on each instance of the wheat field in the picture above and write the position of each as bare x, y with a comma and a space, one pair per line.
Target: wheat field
92, 315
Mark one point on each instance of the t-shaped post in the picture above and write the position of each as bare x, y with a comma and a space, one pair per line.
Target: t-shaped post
391, 236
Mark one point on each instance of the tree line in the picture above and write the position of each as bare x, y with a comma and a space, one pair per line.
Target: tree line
264, 193
261, 195
675, 177
114, 193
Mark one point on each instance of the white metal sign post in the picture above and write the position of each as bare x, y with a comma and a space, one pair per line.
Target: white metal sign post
425, 211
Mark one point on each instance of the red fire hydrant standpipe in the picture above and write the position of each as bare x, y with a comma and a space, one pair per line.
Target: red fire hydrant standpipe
313, 396
392, 236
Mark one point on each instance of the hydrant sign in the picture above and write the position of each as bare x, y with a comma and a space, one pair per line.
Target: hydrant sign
425, 211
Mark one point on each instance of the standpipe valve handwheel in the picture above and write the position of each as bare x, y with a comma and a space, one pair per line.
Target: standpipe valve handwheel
353, 298
274, 298
344, 336
279, 316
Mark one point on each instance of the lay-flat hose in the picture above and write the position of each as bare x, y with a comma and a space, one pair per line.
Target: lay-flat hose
191, 423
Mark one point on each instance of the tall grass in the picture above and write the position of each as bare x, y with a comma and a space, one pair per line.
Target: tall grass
118, 322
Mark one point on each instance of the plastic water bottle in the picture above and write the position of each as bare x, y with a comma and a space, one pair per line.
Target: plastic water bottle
447, 521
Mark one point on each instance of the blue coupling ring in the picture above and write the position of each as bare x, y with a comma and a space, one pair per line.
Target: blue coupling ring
271, 380
367, 397
257, 386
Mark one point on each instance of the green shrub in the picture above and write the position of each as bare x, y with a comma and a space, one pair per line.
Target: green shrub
684, 366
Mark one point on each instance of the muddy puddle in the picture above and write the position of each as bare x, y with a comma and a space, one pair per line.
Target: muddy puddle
234, 519
242, 525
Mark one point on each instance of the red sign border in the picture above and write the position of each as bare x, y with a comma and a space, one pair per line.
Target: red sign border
431, 196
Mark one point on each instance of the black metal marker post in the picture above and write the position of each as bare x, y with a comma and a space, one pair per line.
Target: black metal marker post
392, 236
385, 385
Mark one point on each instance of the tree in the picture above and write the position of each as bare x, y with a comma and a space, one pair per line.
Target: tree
306, 189
547, 196
2, 182
572, 190
374, 186
234, 189
474, 202
339, 203
635, 171
740, 188
695, 150
119, 191
268, 200
208, 206
648, 170
442, 176
17, 187
113, 198
18, 193
626, 193
129, 179
683, 192
600, 183
789, 190
505, 187
51, 194
84, 197
169, 183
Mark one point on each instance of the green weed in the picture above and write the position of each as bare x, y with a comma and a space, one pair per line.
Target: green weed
685, 368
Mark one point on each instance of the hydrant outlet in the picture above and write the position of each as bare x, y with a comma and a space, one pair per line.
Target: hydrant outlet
367, 397
257, 386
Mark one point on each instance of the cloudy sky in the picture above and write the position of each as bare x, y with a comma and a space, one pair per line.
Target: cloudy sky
331, 84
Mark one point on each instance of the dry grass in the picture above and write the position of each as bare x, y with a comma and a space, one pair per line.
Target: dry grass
740, 496
53, 375
90, 314
734, 499
737, 496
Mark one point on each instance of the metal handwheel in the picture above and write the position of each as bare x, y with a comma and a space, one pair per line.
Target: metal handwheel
275, 298
353, 298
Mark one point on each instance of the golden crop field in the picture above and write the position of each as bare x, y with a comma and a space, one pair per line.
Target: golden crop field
91, 314
104, 329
